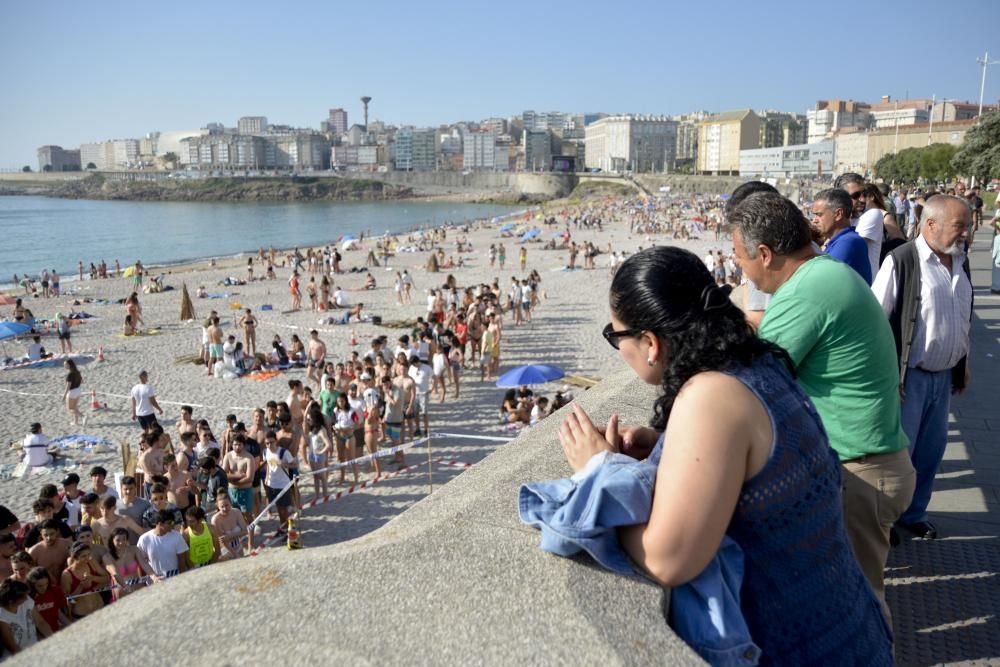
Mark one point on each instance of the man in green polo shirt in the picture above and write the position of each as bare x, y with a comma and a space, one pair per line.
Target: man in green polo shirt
824, 314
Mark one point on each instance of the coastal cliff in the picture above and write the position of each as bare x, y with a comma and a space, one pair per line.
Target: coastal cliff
292, 188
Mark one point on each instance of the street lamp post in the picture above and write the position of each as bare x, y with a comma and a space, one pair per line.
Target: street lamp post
984, 62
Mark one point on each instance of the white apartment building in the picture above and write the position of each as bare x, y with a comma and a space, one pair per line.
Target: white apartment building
830, 116
251, 125
631, 142
789, 161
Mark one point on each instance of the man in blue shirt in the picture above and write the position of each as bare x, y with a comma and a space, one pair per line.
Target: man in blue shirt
831, 216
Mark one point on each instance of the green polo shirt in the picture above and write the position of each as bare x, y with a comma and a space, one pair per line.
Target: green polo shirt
837, 335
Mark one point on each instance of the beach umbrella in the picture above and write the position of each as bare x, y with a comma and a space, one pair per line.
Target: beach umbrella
530, 234
129, 272
530, 374
506, 228
7, 300
347, 245
187, 308
11, 329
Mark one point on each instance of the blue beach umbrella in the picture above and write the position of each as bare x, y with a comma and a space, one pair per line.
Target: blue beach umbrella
506, 228
11, 329
530, 374
531, 233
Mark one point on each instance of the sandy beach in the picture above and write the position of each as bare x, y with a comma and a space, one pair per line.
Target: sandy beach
565, 332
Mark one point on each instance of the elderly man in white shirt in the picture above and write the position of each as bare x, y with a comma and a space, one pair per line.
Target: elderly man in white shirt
925, 290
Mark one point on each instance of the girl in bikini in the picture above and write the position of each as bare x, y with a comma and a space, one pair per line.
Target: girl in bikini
345, 422
249, 324
373, 424
80, 579
125, 563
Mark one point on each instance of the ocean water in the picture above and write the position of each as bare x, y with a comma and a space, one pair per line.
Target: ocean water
44, 233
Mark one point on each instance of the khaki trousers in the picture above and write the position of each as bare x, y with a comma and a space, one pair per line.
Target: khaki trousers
876, 490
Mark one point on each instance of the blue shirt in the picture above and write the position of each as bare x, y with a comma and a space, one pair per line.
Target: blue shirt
850, 249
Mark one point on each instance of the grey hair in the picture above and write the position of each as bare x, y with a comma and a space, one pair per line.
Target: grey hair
849, 177
770, 219
835, 198
934, 206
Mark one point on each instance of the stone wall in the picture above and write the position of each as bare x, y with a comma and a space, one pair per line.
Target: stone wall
456, 579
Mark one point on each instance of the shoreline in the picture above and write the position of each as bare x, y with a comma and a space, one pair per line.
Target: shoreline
203, 262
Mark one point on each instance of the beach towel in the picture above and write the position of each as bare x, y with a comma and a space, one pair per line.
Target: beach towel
266, 306
263, 375
50, 362
217, 295
86, 443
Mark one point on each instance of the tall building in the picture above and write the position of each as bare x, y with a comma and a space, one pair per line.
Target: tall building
779, 128
292, 151
831, 116
251, 125
484, 152
537, 150
56, 158
416, 149
109, 155
721, 138
632, 142
337, 121
687, 137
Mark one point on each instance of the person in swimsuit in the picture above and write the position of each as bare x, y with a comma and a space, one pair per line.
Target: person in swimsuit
63, 333
71, 394
125, 564
373, 419
133, 309
80, 579
345, 422
249, 324
293, 289
230, 527
318, 449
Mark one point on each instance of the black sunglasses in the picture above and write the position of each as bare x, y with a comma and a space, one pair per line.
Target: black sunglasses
612, 336
858, 195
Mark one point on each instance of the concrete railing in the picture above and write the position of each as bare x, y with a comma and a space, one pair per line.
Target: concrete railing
456, 579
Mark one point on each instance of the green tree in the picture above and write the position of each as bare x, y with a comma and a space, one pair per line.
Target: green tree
26, 169
171, 159
933, 163
47, 168
91, 165
979, 154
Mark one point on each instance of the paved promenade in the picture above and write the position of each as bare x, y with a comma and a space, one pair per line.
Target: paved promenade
945, 593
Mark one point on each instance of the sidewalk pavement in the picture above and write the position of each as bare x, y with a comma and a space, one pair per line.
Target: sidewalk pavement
945, 593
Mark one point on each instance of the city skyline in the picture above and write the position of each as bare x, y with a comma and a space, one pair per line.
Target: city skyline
121, 71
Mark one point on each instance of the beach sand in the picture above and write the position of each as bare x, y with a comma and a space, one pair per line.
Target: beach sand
565, 332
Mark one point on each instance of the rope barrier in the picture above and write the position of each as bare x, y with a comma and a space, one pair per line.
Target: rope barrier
147, 580
357, 487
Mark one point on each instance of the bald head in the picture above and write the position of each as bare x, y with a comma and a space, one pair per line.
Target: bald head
944, 223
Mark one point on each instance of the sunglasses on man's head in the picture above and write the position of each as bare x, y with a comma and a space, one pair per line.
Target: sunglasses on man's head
613, 337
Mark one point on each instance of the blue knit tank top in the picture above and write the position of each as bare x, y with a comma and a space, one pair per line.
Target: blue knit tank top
804, 597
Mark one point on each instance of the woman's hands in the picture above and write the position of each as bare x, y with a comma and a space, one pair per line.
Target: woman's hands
581, 439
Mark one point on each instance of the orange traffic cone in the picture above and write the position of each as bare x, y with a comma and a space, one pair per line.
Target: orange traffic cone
100, 353
94, 405
354, 338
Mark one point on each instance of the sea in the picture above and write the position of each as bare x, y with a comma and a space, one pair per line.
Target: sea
47, 233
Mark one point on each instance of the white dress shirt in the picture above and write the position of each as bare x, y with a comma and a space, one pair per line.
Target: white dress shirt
941, 336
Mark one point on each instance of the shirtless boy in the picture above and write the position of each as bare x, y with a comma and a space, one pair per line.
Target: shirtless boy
317, 359
241, 470
186, 423
151, 461
229, 526
215, 336
182, 489
52, 552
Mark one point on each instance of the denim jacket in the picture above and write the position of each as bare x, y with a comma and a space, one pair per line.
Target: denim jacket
582, 513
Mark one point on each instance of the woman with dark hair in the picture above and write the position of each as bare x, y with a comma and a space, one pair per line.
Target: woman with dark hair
873, 198
71, 394
125, 564
20, 621
740, 452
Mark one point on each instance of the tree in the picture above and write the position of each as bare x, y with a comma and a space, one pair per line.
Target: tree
91, 165
933, 163
171, 158
979, 154
26, 169
47, 168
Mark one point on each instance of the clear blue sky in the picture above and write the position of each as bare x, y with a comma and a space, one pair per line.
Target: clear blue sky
75, 72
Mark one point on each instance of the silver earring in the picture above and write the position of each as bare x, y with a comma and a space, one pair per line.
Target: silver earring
650, 361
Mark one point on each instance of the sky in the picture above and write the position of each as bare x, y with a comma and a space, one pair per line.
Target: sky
77, 72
